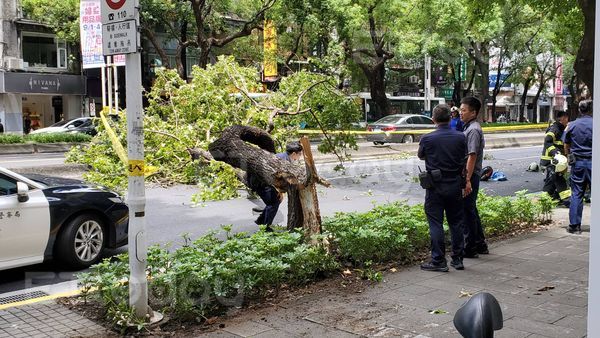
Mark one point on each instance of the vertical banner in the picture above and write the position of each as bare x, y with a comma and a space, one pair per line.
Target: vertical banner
90, 28
270, 51
558, 89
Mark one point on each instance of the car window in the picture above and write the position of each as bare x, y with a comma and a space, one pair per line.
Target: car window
77, 123
424, 120
388, 119
412, 120
8, 185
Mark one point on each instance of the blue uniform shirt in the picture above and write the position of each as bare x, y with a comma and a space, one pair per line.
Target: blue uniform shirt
444, 149
456, 124
578, 135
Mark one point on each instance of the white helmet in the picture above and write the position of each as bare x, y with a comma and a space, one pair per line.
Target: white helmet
560, 163
533, 167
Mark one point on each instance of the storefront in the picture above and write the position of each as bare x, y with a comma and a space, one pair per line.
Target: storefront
41, 99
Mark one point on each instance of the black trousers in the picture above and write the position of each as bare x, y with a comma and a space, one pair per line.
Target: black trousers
474, 237
556, 185
270, 196
445, 197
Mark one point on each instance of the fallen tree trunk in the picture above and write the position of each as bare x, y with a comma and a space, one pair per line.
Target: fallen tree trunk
253, 151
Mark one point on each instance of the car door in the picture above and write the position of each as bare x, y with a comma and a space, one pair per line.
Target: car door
24, 226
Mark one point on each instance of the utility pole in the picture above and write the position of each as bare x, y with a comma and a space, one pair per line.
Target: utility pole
593, 329
427, 84
120, 35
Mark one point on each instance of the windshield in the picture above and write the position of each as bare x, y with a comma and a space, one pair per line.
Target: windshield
59, 124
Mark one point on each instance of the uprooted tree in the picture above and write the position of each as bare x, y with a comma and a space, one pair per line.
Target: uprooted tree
252, 150
187, 116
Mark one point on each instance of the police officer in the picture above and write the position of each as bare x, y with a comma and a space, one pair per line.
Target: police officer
578, 146
555, 183
444, 183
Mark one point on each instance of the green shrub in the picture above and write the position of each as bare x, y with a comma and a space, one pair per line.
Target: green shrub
11, 139
58, 137
208, 275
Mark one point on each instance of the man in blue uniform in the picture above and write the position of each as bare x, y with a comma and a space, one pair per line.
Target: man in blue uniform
269, 194
578, 147
444, 183
474, 237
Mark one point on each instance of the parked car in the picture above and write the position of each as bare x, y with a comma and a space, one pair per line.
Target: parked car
403, 123
43, 217
79, 125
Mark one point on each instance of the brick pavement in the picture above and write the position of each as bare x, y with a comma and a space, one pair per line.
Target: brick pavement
514, 272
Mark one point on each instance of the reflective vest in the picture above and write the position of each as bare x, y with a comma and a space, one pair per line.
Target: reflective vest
552, 143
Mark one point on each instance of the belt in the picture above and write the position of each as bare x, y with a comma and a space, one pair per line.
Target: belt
451, 173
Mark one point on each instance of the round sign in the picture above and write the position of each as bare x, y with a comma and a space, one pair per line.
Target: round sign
115, 4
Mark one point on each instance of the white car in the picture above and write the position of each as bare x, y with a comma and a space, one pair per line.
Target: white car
44, 217
81, 124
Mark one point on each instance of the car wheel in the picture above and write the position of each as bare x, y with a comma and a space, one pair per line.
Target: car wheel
377, 143
408, 139
81, 242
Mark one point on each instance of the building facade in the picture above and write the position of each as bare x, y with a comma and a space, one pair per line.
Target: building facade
38, 84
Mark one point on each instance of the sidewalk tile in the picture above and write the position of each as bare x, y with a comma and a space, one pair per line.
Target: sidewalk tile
507, 332
247, 329
545, 329
574, 322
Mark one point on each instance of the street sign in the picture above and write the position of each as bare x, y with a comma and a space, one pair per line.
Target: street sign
117, 10
119, 38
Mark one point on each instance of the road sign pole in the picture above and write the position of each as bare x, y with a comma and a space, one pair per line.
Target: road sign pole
136, 197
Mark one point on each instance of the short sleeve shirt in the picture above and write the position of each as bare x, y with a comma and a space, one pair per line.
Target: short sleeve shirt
578, 135
475, 143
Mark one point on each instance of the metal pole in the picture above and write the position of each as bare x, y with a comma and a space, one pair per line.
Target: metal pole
116, 73
103, 80
110, 91
593, 329
136, 198
427, 83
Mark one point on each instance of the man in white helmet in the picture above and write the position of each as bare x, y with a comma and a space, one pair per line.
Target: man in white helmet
552, 159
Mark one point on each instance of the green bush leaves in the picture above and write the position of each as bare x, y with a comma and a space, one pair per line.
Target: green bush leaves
206, 276
45, 138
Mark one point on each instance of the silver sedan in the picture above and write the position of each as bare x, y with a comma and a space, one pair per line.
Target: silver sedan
397, 128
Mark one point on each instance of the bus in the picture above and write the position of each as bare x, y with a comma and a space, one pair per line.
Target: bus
400, 105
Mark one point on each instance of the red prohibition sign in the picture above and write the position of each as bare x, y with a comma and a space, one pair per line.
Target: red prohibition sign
115, 4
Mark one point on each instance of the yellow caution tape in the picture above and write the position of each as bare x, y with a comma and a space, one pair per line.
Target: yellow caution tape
133, 166
136, 167
538, 126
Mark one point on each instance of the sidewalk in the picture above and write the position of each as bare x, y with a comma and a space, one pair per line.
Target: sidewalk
539, 279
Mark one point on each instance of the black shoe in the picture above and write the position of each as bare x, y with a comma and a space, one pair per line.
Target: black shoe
433, 266
471, 255
484, 251
268, 229
574, 229
457, 263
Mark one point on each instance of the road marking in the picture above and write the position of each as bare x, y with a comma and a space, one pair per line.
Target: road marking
41, 299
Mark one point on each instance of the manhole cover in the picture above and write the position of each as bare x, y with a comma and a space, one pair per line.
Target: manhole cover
22, 297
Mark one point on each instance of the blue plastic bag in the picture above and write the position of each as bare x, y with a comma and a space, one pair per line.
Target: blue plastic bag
498, 176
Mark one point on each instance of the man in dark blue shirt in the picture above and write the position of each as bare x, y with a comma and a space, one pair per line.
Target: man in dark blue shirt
268, 193
444, 152
578, 146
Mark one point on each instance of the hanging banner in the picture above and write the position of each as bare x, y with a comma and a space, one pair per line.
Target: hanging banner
90, 28
558, 90
270, 51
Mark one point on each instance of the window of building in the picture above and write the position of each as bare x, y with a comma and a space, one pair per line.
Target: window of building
44, 51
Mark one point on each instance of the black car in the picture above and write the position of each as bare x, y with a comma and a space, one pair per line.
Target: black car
67, 220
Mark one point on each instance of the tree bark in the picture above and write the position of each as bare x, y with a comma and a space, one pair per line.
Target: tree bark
584, 63
536, 98
376, 78
252, 150
523, 115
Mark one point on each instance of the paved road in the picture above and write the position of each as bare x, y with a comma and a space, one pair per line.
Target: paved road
171, 214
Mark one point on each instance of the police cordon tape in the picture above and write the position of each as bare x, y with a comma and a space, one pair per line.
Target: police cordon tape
537, 126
